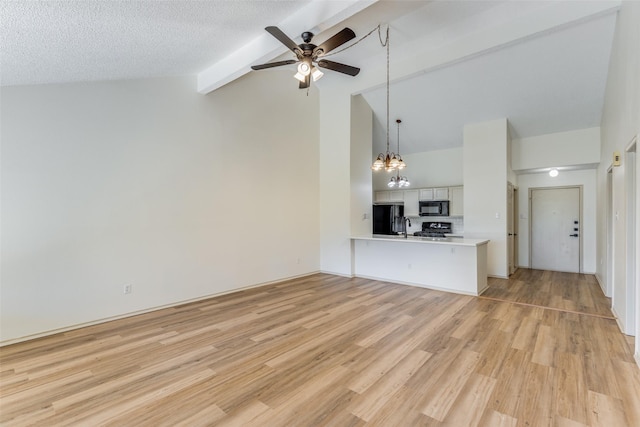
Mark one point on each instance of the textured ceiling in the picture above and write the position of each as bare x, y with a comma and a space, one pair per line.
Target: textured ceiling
67, 41
551, 82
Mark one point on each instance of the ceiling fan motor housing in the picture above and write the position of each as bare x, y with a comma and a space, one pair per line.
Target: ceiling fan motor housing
307, 54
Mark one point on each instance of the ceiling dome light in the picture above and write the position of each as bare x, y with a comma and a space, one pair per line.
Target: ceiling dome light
304, 68
553, 173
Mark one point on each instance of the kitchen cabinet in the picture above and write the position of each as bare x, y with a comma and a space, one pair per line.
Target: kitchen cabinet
426, 194
456, 203
434, 193
411, 203
388, 196
441, 193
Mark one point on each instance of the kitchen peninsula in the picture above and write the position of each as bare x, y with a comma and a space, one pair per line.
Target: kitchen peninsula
453, 264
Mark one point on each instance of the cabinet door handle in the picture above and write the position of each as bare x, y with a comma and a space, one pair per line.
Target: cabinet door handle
573, 235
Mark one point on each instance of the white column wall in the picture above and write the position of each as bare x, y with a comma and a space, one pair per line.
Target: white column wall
361, 196
485, 190
335, 187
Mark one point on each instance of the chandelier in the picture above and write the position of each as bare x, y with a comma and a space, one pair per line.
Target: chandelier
398, 181
389, 161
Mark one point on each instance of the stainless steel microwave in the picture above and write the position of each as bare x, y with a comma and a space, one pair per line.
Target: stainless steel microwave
434, 208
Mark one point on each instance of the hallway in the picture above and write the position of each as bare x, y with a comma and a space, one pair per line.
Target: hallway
570, 292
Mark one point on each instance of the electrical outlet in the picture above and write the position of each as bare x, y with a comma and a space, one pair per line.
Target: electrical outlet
127, 289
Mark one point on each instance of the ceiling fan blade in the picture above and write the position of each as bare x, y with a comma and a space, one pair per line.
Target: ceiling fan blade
273, 64
336, 66
335, 41
306, 83
283, 38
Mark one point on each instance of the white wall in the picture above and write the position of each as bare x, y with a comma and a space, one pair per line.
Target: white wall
361, 197
151, 184
573, 148
620, 122
438, 168
335, 181
584, 178
485, 189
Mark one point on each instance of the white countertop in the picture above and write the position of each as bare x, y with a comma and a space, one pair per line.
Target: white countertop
428, 240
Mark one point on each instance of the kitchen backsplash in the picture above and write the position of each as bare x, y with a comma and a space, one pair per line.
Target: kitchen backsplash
457, 223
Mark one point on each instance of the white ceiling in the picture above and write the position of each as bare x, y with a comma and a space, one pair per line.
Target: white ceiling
547, 83
70, 41
550, 83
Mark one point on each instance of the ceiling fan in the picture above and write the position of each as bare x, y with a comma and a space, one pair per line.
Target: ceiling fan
308, 54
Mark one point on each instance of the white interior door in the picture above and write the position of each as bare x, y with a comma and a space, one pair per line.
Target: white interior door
555, 229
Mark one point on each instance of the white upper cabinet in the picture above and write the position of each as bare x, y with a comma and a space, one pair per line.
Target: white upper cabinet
441, 193
388, 196
456, 205
426, 194
434, 193
396, 196
381, 196
411, 203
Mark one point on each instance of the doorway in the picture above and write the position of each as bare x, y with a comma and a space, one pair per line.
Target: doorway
512, 227
555, 228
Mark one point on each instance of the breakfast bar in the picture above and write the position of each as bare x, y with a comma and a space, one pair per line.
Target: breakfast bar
450, 264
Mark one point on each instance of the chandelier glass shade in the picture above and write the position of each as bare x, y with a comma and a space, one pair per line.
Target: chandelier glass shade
398, 181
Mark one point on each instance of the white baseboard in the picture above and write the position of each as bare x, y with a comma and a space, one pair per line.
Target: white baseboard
637, 357
333, 273
620, 326
601, 283
147, 310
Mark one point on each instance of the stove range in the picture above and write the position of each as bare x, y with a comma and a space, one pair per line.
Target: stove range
434, 229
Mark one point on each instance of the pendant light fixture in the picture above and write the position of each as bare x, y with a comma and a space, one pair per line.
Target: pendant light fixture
389, 161
399, 181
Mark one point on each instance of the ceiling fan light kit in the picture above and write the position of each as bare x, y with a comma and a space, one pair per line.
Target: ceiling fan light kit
308, 54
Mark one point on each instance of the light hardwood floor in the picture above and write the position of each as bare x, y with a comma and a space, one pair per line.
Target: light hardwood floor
328, 350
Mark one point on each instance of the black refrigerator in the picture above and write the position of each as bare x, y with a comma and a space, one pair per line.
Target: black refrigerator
388, 219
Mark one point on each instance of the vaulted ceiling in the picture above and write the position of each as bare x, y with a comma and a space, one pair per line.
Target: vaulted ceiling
542, 81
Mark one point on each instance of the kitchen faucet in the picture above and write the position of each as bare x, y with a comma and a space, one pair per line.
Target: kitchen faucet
406, 221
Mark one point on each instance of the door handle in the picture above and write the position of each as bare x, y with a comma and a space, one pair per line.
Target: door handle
573, 235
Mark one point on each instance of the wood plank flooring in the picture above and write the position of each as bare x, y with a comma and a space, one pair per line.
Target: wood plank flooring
563, 291
331, 351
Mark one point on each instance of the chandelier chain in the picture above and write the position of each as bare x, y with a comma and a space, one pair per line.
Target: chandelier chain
387, 45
